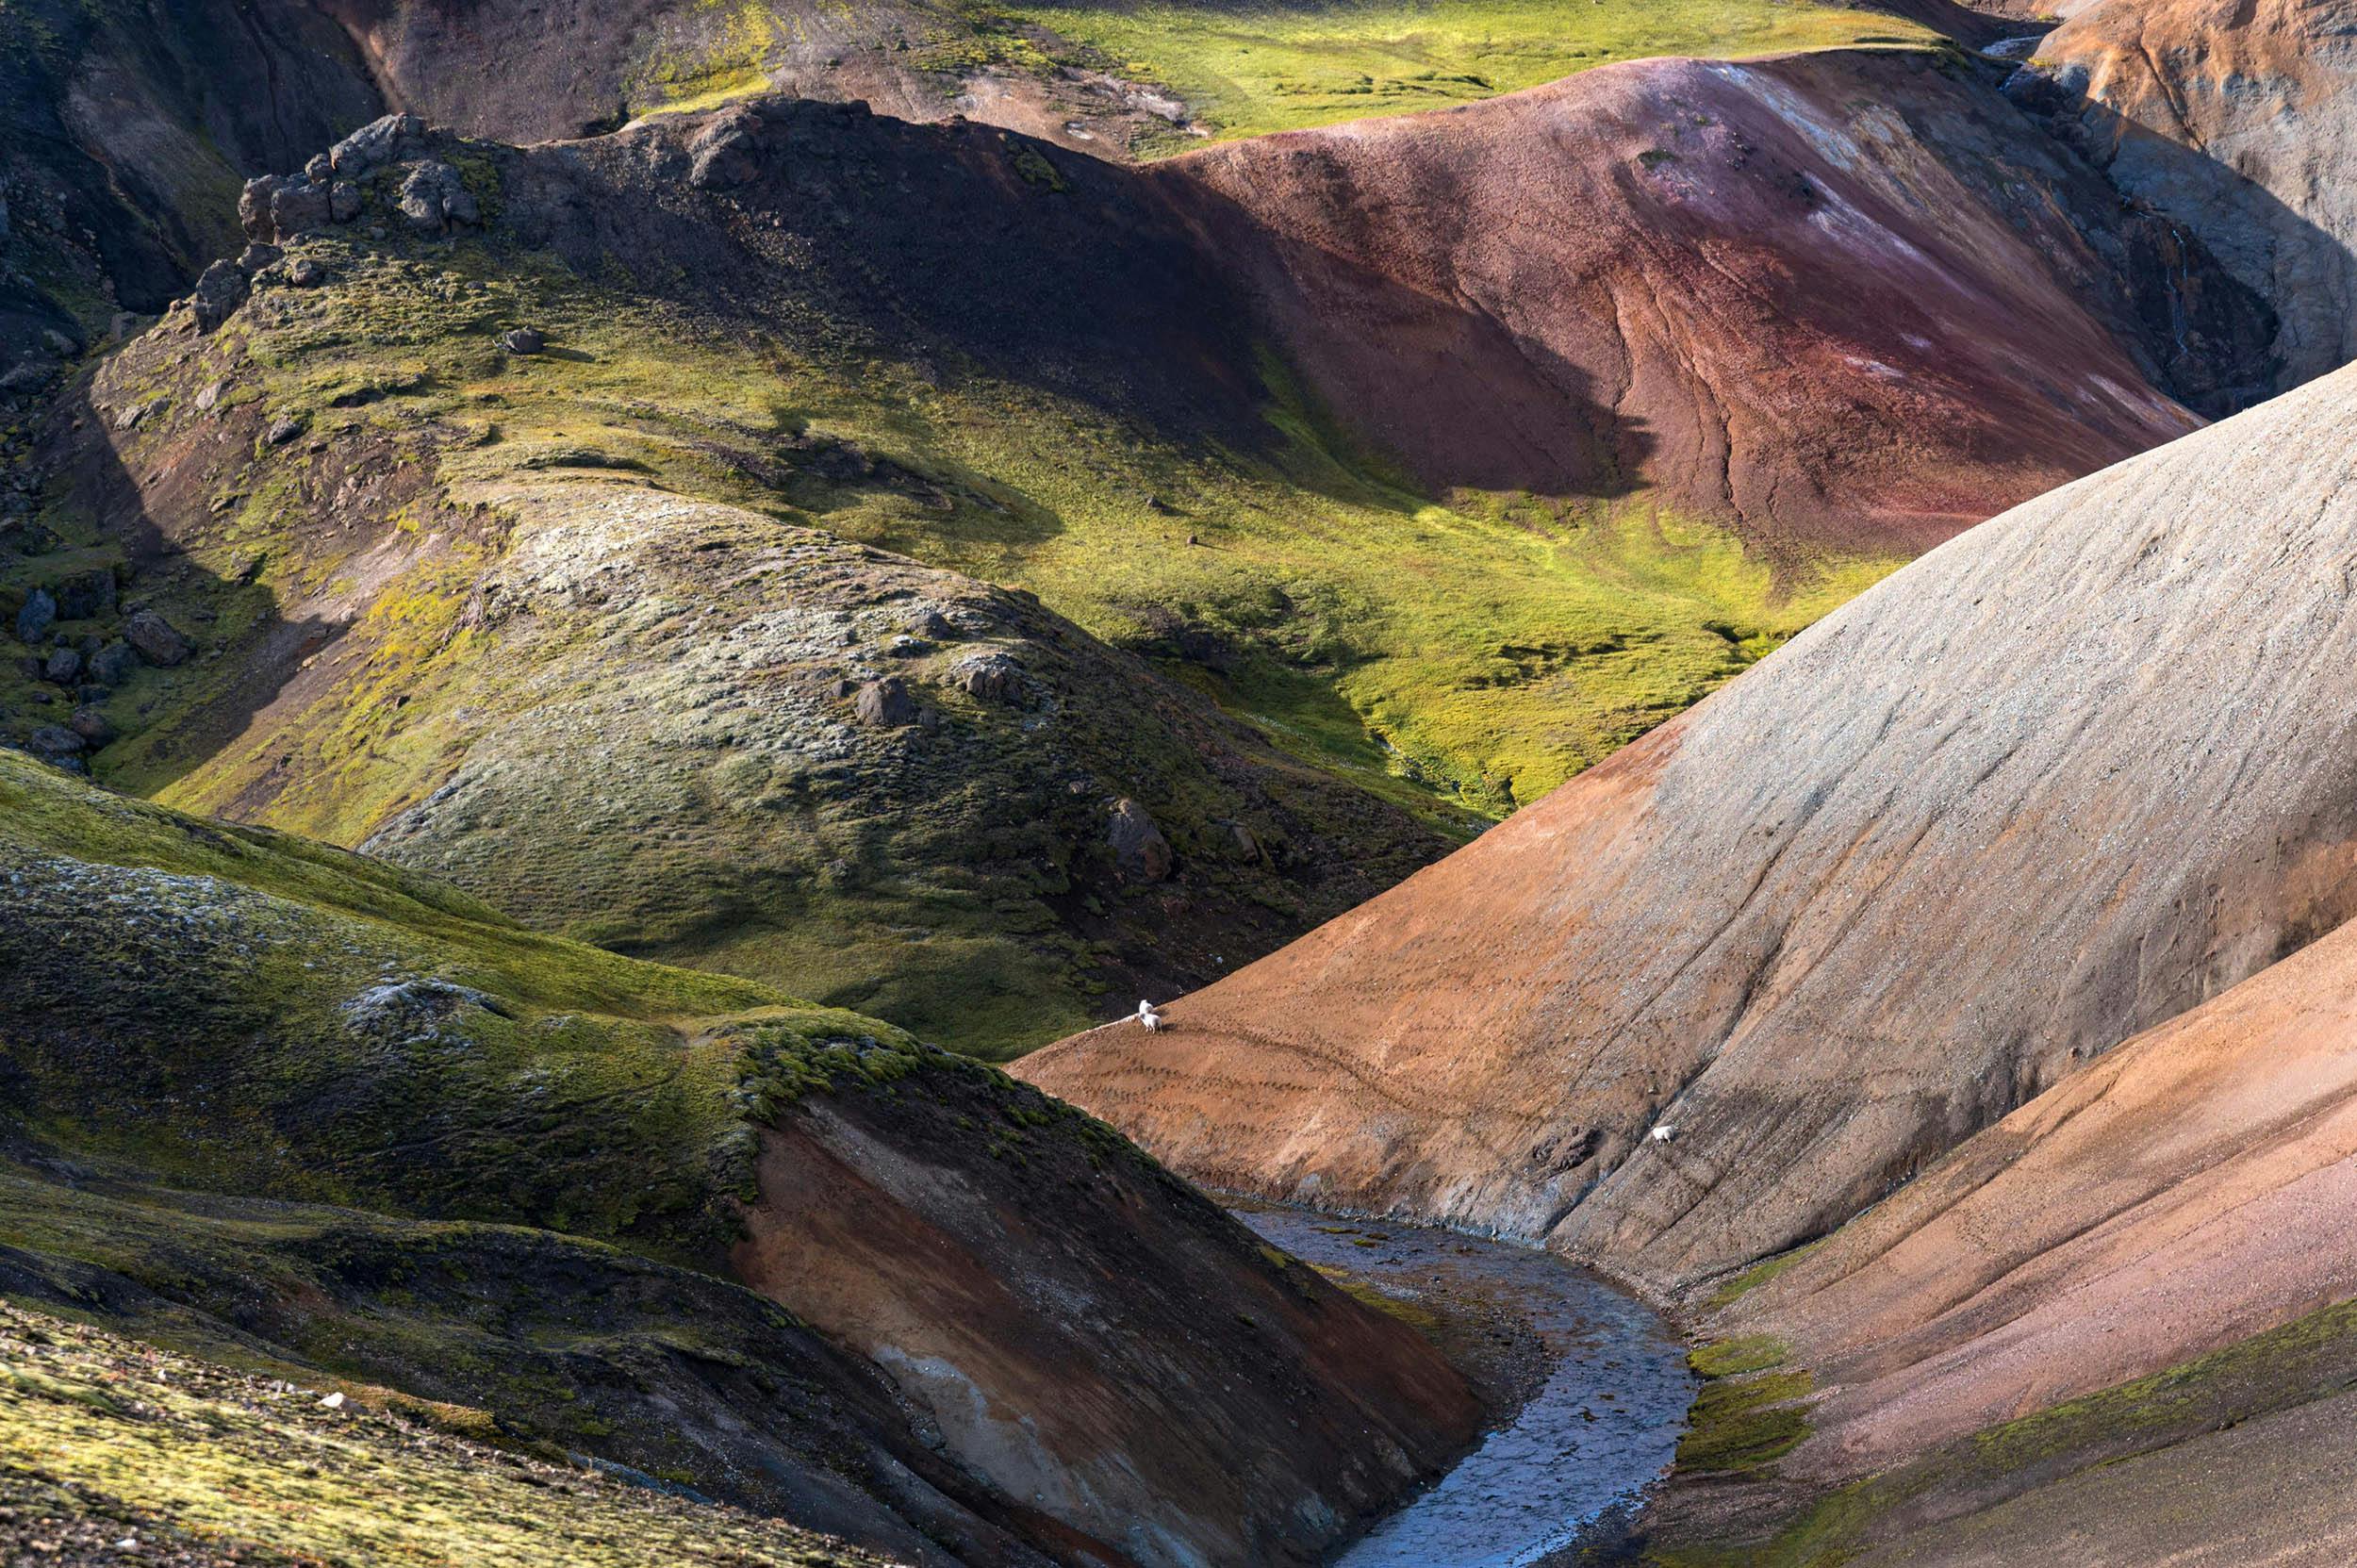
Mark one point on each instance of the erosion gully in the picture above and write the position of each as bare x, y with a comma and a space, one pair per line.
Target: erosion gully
1593, 1387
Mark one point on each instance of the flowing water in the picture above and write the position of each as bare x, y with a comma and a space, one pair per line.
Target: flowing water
1611, 1397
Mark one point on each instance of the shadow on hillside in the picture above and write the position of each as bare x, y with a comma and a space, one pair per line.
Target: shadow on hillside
2199, 283
959, 250
172, 721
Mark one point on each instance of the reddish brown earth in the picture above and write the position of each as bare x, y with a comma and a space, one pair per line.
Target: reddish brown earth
1845, 299
1097, 1338
2070, 775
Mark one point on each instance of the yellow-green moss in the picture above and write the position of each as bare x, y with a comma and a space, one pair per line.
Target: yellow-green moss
1746, 1415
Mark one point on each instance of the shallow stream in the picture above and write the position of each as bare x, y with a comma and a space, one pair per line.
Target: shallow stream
1606, 1383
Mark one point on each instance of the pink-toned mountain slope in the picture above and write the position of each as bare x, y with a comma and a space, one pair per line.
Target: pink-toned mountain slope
1839, 299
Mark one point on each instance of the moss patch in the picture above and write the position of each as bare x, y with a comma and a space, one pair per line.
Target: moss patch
1256, 69
1747, 1414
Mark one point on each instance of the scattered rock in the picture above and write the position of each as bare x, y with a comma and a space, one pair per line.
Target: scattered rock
989, 677
55, 743
39, 613
1139, 847
434, 199
522, 339
298, 208
905, 647
885, 704
320, 170
209, 397
306, 273
113, 663
257, 256
27, 378
283, 429
1248, 843
929, 622
220, 291
253, 204
128, 417
334, 1401
64, 667
157, 641
85, 594
343, 201
723, 152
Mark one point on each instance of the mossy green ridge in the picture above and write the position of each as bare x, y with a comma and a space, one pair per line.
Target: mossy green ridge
303, 1112
341, 1032
1909, 1511
1342, 679
1254, 69
1151, 77
104, 1439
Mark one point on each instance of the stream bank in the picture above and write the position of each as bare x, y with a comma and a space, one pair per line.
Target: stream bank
1592, 1386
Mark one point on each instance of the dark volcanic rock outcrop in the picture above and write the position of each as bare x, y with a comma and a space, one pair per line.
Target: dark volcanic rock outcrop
119, 134
2069, 775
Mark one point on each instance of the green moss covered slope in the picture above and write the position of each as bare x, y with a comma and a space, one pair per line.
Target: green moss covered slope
585, 630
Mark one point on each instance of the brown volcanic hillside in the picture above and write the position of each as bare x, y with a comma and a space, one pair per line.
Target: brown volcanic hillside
284, 1103
2234, 117
2068, 776
1845, 299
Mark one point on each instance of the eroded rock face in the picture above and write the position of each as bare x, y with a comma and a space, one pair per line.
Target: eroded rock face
2186, 1190
2239, 120
2064, 778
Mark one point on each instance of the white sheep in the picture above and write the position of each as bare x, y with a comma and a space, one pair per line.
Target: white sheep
1146, 1015
1663, 1133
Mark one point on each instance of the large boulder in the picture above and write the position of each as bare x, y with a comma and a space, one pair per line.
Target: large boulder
434, 199
376, 144
220, 288
886, 703
157, 640
34, 617
1138, 845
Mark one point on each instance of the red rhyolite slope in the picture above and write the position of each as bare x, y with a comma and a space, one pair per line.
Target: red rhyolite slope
1842, 299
